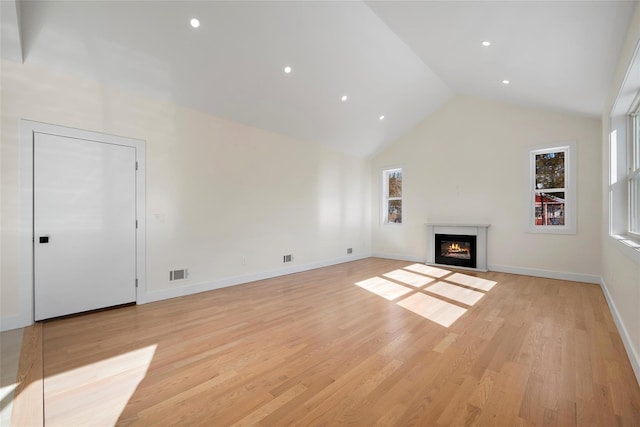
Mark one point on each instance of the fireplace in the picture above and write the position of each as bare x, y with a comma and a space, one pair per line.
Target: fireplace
455, 249
471, 237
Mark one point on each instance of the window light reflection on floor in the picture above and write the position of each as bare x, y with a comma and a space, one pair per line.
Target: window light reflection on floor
110, 383
455, 293
471, 281
436, 310
6, 395
428, 270
429, 306
412, 279
384, 288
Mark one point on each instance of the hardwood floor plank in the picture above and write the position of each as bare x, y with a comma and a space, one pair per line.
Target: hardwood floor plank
530, 407
507, 394
10, 348
28, 395
459, 395
265, 410
314, 348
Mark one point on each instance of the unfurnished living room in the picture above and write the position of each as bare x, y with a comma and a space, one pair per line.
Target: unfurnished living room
318, 213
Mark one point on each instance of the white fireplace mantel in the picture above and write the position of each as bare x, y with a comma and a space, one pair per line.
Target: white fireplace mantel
478, 230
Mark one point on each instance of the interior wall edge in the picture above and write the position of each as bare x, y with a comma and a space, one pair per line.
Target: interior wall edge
632, 352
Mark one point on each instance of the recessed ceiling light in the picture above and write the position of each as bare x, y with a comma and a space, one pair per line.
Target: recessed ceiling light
505, 82
382, 117
287, 69
344, 98
195, 23
486, 43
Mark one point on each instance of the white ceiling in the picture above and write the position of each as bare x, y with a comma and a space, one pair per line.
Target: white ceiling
399, 59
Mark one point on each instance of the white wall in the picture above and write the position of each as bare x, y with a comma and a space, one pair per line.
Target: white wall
468, 163
621, 272
217, 191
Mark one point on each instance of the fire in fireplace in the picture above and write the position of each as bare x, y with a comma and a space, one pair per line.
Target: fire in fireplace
456, 250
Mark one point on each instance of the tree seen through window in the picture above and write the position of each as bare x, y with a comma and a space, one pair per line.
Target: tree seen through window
549, 191
392, 196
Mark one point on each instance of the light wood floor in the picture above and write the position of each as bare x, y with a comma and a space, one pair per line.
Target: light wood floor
315, 348
10, 344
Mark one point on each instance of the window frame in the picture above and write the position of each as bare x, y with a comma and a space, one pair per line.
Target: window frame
569, 189
386, 199
633, 175
623, 160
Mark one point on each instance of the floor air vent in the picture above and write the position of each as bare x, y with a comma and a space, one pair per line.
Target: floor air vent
178, 274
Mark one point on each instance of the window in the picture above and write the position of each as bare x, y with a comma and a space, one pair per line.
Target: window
392, 196
624, 176
634, 174
624, 163
551, 190
550, 187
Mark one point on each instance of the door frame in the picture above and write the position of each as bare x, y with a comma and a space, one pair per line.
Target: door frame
28, 129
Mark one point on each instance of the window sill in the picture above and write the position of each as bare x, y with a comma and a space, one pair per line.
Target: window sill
550, 229
629, 244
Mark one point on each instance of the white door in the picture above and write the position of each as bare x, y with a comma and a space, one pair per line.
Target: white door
84, 195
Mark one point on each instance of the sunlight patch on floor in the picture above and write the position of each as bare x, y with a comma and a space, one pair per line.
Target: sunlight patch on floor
456, 293
436, 310
6, 397
432, 308
412, 279
7, 390
471, 281
384, 288
101, 390
428, 270
10, 348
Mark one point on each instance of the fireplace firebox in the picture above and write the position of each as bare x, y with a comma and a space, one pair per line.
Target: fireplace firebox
478, 252
456, 250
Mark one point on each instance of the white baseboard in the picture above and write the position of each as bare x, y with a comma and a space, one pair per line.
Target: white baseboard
574, 277
634, 358
143, 297
152, 296
398, 257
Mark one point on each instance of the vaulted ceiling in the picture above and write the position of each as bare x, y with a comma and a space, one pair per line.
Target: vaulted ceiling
401, 60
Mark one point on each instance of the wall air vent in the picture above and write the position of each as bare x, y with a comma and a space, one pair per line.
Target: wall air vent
178, 274
349, 251
287, 258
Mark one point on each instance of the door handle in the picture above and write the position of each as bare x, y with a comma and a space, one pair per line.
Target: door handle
44, 239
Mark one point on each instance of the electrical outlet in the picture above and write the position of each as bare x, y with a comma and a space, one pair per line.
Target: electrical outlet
287, 258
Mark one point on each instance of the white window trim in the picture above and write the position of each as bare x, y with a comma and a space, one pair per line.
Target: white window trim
384, 199
570, 214
633, 162
619, 188
627, 101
